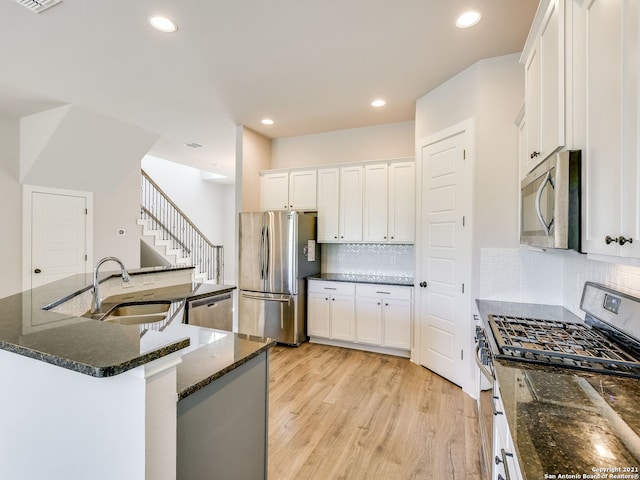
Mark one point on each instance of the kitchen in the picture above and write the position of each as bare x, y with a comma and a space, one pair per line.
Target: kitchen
494, 93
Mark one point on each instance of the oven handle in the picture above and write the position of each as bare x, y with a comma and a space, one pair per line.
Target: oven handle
547, 179
504, 455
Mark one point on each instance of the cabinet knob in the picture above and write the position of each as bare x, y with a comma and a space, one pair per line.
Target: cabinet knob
385, 237
37, 270
423, 284
622, 240
335, 237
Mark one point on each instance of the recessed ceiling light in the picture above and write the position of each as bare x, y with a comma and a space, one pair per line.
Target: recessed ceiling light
267, 121
378, 103
468, 19
162, 24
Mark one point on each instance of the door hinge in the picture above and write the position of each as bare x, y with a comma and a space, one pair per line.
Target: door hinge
463, 288
463, 219
461, 354
464, 154
86, 211
86, 258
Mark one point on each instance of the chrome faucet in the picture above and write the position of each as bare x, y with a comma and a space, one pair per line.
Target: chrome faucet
97, 301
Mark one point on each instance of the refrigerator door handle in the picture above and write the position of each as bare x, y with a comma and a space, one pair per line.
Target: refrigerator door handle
261, 250
266, 299
267, 251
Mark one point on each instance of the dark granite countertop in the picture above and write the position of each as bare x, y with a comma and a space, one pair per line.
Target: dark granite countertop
566, 421
86, 345
358, 278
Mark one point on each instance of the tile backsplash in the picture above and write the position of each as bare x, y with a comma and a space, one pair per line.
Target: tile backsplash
553, 277
368, 259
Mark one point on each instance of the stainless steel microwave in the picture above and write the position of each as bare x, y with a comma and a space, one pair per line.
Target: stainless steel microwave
550, 202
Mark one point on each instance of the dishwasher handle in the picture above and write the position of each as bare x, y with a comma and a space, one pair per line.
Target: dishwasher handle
209, 301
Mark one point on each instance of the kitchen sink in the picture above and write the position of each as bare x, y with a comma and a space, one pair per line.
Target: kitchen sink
137, 313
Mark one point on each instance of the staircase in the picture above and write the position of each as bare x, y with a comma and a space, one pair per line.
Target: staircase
174, 236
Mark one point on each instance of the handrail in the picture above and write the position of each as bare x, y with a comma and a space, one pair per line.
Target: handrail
180, 212
165, 228
175, 226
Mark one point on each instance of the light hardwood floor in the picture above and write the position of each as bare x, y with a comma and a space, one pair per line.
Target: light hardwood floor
337, 413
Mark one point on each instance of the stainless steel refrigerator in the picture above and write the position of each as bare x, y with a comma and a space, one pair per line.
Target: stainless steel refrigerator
277, 252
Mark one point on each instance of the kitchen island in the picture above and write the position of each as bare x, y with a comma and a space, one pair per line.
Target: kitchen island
563, 422
90, 399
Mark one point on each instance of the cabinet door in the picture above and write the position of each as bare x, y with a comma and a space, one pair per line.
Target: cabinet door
369, 320
318, 315
274, 191
375, 204
552, 118
342, 317
603, 152
397, 323
402, 202
532, 100
351, 204
302, 190
328, 204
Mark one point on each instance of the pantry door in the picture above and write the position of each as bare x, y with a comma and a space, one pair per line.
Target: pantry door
57, 234
443, 251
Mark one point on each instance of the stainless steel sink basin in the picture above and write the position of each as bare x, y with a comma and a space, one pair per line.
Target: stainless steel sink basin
134, 314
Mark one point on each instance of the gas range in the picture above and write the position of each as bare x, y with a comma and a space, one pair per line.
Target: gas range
607, 342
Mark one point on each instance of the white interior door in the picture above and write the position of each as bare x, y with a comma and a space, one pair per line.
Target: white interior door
443, 257
58, 236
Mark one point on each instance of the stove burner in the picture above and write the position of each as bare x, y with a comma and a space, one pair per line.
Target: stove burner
572, 345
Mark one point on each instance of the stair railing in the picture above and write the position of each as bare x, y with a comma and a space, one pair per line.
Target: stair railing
165, 216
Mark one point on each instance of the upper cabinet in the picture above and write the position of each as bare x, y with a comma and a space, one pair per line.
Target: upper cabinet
360, 202
544, 57
389, 202
606, 96
292, 190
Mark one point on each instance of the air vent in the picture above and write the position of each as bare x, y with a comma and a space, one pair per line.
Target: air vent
38, 6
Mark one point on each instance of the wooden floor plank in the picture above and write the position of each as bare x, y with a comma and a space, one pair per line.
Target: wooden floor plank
337, 413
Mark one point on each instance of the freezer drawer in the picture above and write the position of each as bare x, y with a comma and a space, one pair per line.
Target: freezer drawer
212, 312
277, 316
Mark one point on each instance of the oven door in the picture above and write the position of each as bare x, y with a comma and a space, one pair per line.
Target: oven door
485, 401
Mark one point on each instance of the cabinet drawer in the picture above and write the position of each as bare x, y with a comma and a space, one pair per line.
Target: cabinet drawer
387, 291
332, 288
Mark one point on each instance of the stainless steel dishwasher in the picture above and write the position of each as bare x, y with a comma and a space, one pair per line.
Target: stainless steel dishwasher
215, 311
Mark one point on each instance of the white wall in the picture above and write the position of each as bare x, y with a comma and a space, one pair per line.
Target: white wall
491, 92
10, 207
555, 277
119, 208
254, 154
392, 140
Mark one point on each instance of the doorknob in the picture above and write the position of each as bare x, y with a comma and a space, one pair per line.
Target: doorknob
37, 270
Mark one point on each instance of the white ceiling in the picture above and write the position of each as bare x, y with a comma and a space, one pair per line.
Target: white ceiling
312, 67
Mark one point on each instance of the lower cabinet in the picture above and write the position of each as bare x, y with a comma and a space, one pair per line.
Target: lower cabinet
331, 310
364, 316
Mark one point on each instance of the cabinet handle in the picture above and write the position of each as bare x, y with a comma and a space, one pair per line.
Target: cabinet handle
37, 270
622, 240
608, 240
385, 293
534, 154
423, 284
504, 455
495, 410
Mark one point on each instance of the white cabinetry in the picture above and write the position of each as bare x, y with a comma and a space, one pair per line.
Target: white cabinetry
543, 57
363, 316
389, 202
383, 315
340, 204
328, 204
350, 218
606, 73
291, 190
331, 310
